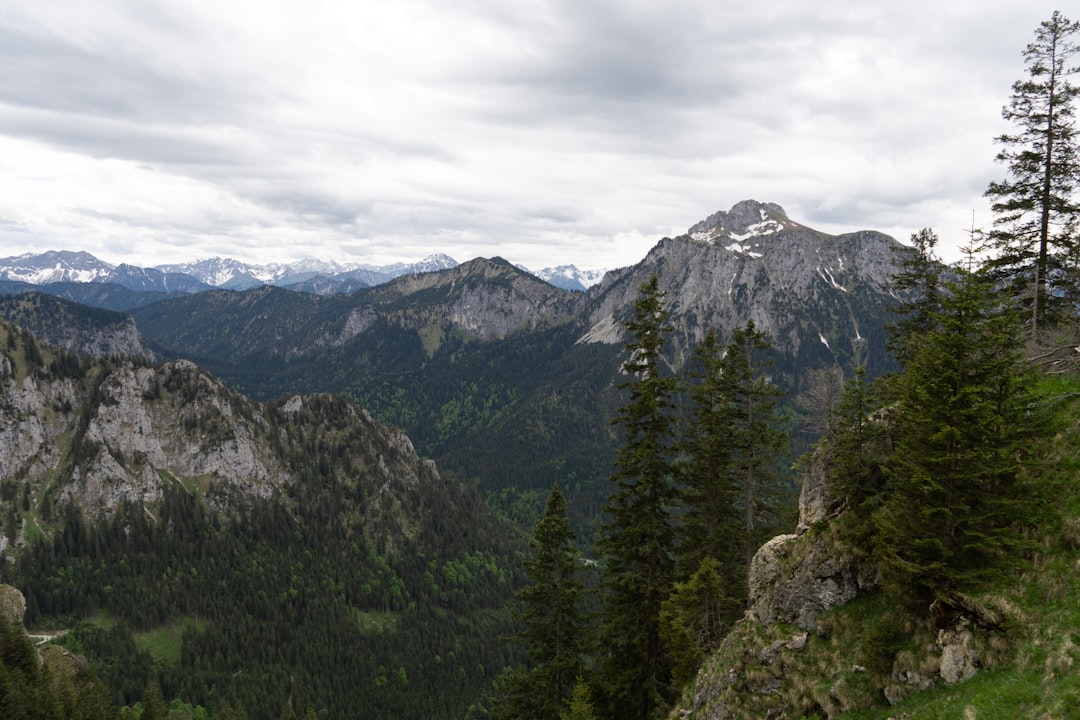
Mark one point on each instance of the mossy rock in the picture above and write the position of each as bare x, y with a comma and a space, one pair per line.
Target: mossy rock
12, 604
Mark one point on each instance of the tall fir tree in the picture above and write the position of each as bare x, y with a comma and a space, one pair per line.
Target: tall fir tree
709, 495
917, 281
638, 539
964, 416
551, 622
729, 455
1034, 231
757, 441
859, 446
696, 617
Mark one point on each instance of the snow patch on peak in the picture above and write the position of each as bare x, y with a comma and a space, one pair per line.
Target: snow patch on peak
765, 227
734, 232
739, 248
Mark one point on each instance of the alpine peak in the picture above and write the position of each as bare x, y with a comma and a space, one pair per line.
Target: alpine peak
746, 219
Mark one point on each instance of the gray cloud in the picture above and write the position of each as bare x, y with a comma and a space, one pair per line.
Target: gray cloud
561, 131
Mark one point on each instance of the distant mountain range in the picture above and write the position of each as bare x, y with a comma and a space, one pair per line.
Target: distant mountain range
58, 268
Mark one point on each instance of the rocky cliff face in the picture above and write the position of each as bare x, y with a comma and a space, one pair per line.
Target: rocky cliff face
99, 435
12, 605
799, 652
118, 434
796, 578
175, 421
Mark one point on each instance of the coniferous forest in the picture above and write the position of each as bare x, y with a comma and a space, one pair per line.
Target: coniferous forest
945, 476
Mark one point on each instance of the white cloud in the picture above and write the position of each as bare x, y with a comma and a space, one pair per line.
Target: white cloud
547, 132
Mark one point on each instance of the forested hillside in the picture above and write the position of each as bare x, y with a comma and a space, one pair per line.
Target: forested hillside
244, 555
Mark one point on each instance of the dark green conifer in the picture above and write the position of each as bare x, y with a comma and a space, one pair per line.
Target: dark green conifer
638, 540
917, 282
964, 415
696, 617
551, 622
859, 446
756, 438
709, 494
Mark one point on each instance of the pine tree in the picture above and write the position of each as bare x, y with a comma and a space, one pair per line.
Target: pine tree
710, 519
153, 703
551, 621
918, 281
757, 440
1035, 206
859, 445
637, 541
964, 415
581, 705
730, 452
695, 618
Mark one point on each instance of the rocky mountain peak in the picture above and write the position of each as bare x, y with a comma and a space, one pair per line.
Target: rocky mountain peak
748, 218
53, 266
484, 297
818, 296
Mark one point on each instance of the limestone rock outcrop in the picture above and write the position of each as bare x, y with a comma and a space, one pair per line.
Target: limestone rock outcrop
101, 435
12, 605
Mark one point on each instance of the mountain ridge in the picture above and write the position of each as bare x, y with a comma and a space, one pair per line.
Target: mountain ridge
321, 277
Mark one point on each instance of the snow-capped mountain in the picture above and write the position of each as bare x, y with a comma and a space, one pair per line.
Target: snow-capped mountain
53, 266
227, 273
152, 280
432, 263
308, 275
236, 275
568, 277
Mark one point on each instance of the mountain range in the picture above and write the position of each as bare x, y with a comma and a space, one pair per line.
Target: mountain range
60, 268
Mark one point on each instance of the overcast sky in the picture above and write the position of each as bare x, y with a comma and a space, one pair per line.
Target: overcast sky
544, 131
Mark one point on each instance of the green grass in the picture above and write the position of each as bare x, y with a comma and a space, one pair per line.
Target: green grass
376, 623
1002, 694
102, 620
1040, 677
431, 337
163, 643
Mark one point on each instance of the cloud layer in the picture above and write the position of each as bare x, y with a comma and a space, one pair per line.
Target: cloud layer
547, 132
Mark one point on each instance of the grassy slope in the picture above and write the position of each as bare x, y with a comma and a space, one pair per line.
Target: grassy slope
1029, 660
1038, 677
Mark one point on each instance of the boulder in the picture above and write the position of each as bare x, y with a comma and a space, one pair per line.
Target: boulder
12, 605
796, 578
